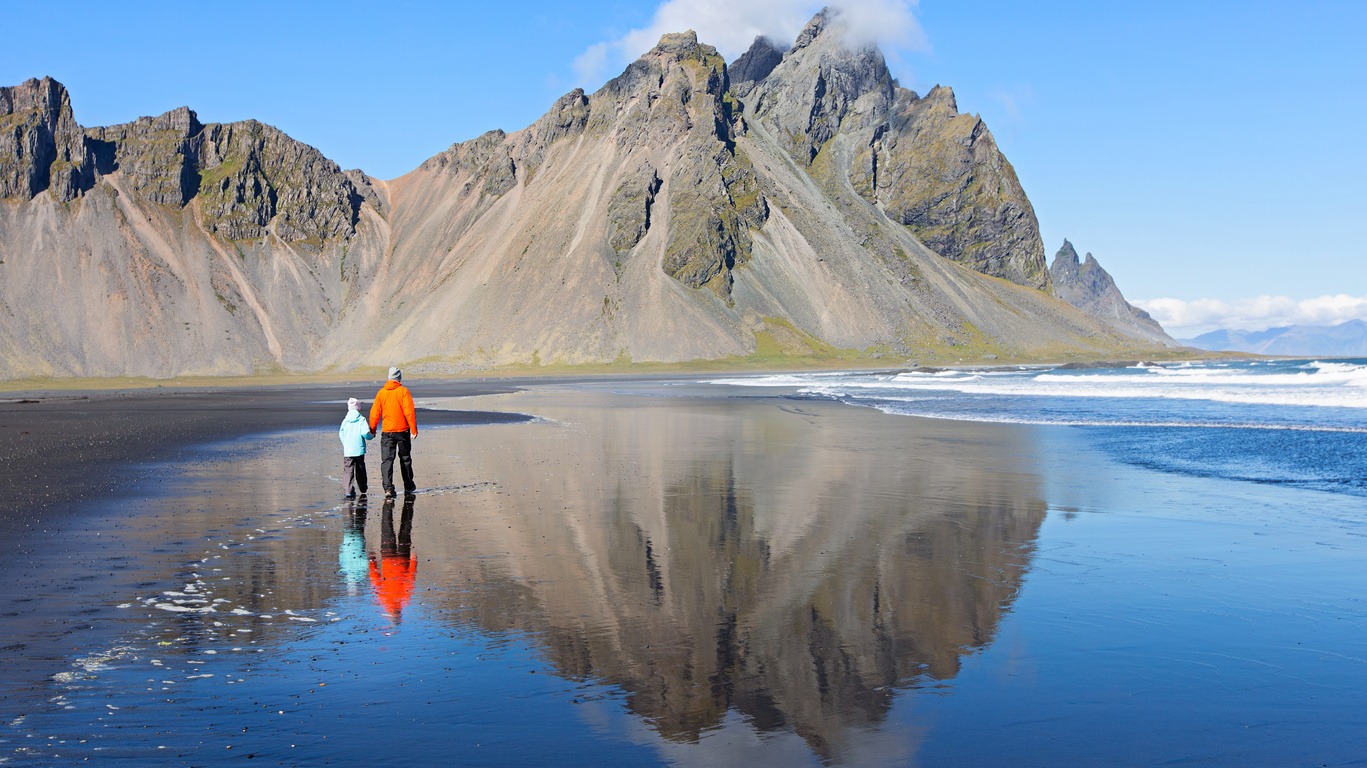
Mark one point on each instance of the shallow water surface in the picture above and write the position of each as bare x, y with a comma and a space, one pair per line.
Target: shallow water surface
701, 580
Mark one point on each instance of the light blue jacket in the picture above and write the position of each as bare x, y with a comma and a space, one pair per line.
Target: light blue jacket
354, 432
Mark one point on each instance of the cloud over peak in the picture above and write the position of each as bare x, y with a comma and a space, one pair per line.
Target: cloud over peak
732, 25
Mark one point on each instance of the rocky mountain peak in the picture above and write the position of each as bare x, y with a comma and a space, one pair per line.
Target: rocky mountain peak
158, 156
754, 65
1077, 283
822, 86
942, 97
1066, 255
251, 178
940, 173
678, 84
650, 75
41, 145
1091, 289
928, 167
45, 95
815, 27
255, 179
567, 116
182, 120
678, 42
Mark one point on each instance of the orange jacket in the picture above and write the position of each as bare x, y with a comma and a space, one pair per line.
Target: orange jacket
395, 403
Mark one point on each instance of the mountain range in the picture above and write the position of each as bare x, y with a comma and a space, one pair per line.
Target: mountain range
796, 204
1347, 339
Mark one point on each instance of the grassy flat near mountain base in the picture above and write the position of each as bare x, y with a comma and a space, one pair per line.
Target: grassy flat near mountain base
769, 359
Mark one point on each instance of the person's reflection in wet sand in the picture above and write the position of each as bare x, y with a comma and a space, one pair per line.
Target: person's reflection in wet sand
351, 556
392, 575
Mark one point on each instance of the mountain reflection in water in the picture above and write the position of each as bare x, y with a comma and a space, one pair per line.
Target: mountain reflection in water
701, 571
796, 566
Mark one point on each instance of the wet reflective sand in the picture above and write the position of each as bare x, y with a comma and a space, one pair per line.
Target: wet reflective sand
642, 579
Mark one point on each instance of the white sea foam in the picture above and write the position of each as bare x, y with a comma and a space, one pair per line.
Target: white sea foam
999, 394
1325, 384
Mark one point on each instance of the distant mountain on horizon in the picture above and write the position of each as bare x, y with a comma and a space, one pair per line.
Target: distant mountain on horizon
796, 204
1347, 339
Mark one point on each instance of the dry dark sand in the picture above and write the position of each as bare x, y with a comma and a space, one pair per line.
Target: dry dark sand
660, 574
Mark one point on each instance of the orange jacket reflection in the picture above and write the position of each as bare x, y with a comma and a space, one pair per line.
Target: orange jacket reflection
392, 578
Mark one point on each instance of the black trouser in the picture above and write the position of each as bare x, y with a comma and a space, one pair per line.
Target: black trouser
353, 469
403, 444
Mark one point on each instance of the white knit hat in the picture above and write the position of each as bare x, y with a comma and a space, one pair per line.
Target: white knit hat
395, 374
353, 404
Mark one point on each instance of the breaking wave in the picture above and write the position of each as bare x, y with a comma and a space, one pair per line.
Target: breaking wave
1309, 395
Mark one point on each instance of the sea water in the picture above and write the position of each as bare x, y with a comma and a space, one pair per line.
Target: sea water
1299, 423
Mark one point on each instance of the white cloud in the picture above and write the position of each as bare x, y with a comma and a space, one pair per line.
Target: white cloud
1013, 101
732, 25
888, 23
1185, 319
593, 60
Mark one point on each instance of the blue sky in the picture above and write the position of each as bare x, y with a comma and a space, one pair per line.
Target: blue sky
1209, 154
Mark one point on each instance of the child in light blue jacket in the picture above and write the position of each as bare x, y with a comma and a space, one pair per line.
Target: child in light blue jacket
354, 432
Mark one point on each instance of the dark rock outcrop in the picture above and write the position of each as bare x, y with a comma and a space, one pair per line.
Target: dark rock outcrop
823, 86
250, 178
157, 156
255, 179
714, 198
753, 65
629, 211
41, 146
941, 174
935, 171
1090, 288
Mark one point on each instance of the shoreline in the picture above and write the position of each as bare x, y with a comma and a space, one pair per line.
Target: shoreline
69, 449
628, 534
73, 386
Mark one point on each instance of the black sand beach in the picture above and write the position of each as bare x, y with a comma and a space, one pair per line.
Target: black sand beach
65, 447
66, 455
659, 572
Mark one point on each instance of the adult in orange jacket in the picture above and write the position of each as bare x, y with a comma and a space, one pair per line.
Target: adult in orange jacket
394, 409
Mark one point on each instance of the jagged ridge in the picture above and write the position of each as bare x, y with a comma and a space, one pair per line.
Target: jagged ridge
1091, 289
247, 176
672, 215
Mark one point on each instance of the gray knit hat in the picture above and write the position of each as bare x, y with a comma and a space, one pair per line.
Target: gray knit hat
395, 374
